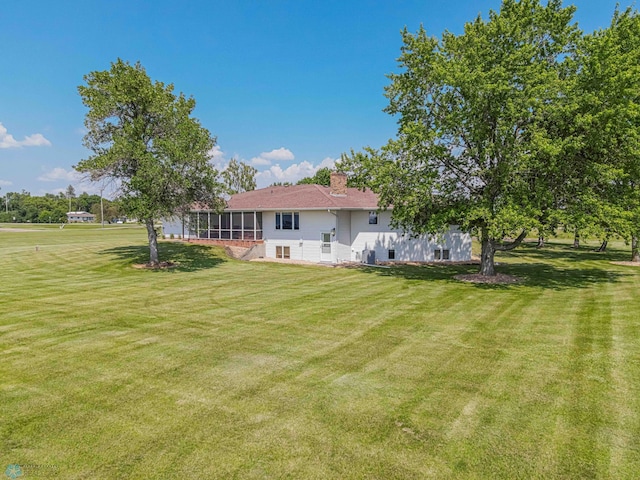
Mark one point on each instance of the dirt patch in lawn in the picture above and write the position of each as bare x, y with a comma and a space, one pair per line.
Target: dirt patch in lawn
627, 264
499, 278
159, 266
235, 252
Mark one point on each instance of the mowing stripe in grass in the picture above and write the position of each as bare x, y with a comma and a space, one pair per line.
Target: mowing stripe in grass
220, 368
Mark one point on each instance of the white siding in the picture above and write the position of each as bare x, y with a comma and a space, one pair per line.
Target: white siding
173, 226
353, 235
343, 237
305, 243
382, 238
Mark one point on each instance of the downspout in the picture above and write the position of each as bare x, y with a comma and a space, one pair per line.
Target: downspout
335, 239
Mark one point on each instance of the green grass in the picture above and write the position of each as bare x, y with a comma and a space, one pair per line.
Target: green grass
228, 369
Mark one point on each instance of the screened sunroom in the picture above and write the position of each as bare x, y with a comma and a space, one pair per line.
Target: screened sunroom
225, 226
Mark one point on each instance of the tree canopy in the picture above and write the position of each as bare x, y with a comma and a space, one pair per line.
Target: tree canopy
606, 154
321, 177
477, 142
239, 177
143, 136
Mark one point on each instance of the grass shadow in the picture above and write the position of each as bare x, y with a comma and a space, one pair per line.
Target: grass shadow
565, 252
552, 267
188, 257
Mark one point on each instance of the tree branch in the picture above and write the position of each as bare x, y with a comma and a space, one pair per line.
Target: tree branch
514, 244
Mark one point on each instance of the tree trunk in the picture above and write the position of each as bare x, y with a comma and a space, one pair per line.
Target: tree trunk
487, 265
540, 242
635, 249
603, 246
576, 239
153, 243
489, 248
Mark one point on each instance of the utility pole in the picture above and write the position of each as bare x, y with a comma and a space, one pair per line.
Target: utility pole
101, 207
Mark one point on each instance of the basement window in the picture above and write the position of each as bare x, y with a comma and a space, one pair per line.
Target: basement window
283, 252
392, 254
441, 254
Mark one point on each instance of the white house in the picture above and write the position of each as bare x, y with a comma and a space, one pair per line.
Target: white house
318, 224
80, 217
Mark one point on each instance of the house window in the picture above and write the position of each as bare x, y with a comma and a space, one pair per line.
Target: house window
287, 220
441, 254
283, 252
392, 254
373, 218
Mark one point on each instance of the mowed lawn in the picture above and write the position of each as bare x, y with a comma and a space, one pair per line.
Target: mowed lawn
229, 369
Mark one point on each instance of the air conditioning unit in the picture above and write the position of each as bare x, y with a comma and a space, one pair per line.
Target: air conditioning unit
369, 257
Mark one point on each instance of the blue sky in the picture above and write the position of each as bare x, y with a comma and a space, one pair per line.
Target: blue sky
285, 85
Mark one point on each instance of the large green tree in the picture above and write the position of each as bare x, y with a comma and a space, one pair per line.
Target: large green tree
143, 136
239, 177
474, 144
607, 120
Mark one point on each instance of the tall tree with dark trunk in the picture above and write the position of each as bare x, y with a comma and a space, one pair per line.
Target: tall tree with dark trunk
474, 147
608, 120
142, 135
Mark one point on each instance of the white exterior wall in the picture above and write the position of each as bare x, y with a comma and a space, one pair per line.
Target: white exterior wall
342, 245
305, 243
382, 238
173, 226
353, 235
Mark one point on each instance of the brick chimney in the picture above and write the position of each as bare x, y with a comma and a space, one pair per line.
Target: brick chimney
338, 184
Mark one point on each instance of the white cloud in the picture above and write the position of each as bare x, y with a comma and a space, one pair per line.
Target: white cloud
270, 173
260, 161
35, 140
80, 182
218, 158
327, 162
216, 153
60, 174
292, 173
5, 183
278, 155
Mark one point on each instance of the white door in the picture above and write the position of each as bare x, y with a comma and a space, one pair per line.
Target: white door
325, 247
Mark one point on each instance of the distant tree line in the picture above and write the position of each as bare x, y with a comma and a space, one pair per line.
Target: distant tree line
22, 207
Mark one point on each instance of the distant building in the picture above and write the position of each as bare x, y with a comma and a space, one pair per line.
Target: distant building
80, 217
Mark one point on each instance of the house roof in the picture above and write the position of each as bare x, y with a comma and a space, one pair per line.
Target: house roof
302, 197
81, 214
